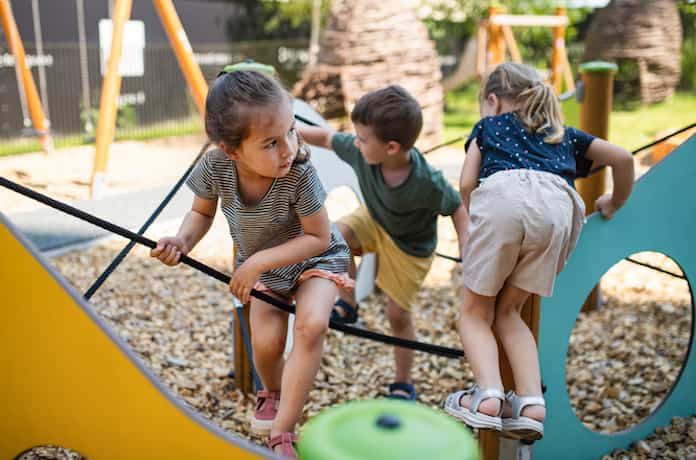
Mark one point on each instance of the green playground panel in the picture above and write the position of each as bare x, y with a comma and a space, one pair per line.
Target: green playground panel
385, 430
660, 216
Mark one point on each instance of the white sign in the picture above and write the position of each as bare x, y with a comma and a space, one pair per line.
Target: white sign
132, 57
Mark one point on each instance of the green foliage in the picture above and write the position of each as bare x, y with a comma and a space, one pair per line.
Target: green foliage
270, 19
298, 13
687, 13
451, 23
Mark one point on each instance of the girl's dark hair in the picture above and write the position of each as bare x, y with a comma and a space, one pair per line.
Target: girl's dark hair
230, 103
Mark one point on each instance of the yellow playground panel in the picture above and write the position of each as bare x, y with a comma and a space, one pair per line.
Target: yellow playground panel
70, 381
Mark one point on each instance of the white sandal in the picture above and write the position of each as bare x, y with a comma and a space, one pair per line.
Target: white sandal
471, 416
519, 427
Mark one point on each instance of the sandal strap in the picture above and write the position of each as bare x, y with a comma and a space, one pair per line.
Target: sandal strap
518, 403
478, 395
282, 438
350, 312
268, 394
405, 387
263, 395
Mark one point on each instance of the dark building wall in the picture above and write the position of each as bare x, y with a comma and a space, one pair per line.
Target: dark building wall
203, 21
161, 93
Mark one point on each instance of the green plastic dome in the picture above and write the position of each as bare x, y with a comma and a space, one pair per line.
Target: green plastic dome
385, 430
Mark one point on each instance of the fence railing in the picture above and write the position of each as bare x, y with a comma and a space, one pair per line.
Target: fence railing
156, 104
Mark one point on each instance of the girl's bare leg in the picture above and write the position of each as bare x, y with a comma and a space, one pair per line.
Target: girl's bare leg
519, 345
268, 330
481, 350
314, 300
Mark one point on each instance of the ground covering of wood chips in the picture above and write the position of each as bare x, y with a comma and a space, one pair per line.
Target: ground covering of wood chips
623, 359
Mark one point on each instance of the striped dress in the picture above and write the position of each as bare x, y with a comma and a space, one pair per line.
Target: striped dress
272, 221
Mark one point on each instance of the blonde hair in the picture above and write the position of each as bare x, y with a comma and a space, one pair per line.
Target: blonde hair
535, 102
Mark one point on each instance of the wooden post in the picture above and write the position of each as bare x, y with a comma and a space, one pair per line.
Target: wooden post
184, 52
14, 41
495, 49
597, 80
242, 360
108, 106
489, 440
557, 53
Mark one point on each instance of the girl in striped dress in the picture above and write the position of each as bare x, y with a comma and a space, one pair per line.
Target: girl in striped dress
274, 204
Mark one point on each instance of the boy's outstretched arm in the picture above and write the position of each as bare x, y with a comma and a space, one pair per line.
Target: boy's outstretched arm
602, 152
321, 137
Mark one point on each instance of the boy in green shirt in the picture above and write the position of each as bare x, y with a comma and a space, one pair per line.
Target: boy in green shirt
403, 197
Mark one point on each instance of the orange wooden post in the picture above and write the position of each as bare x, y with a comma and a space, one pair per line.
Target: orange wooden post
557, 51
597, 80
489, 440
242, 360
184, 52
111, 86
495, 49
14, 41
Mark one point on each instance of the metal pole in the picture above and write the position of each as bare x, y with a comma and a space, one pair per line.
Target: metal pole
109, 98
314, 35
84, 65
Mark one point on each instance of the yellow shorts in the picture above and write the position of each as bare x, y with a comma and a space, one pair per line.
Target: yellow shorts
399, 275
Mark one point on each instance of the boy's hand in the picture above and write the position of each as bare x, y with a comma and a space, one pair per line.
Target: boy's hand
606, 206
169, 250
244, 278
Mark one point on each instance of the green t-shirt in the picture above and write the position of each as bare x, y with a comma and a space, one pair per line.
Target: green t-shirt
408, 212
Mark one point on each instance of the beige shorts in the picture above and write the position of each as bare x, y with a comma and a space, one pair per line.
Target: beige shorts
399, 275
524, 225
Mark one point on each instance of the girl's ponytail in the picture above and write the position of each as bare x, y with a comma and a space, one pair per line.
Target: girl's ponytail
536, 103
540, 112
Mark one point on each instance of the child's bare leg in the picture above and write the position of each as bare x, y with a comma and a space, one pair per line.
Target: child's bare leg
269, 327
481, 350
401, 322
519, 345
355, 249
313, 305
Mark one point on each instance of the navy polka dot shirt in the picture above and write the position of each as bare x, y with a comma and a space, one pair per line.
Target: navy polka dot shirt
505, 144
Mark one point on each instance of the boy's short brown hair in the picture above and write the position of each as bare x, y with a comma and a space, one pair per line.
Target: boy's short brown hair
392, 113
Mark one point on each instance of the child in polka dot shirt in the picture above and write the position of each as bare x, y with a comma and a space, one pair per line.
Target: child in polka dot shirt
525, 218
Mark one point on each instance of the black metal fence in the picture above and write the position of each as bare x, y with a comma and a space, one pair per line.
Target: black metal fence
156, 104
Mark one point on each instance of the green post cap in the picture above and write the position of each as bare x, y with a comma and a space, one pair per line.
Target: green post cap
250, 64
385, 430
598, 67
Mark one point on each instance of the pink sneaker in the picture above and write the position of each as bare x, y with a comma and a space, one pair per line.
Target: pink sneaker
286, 442
265, 412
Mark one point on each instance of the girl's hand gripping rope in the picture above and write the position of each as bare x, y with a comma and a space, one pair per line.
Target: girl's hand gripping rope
245, 278
169, 250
